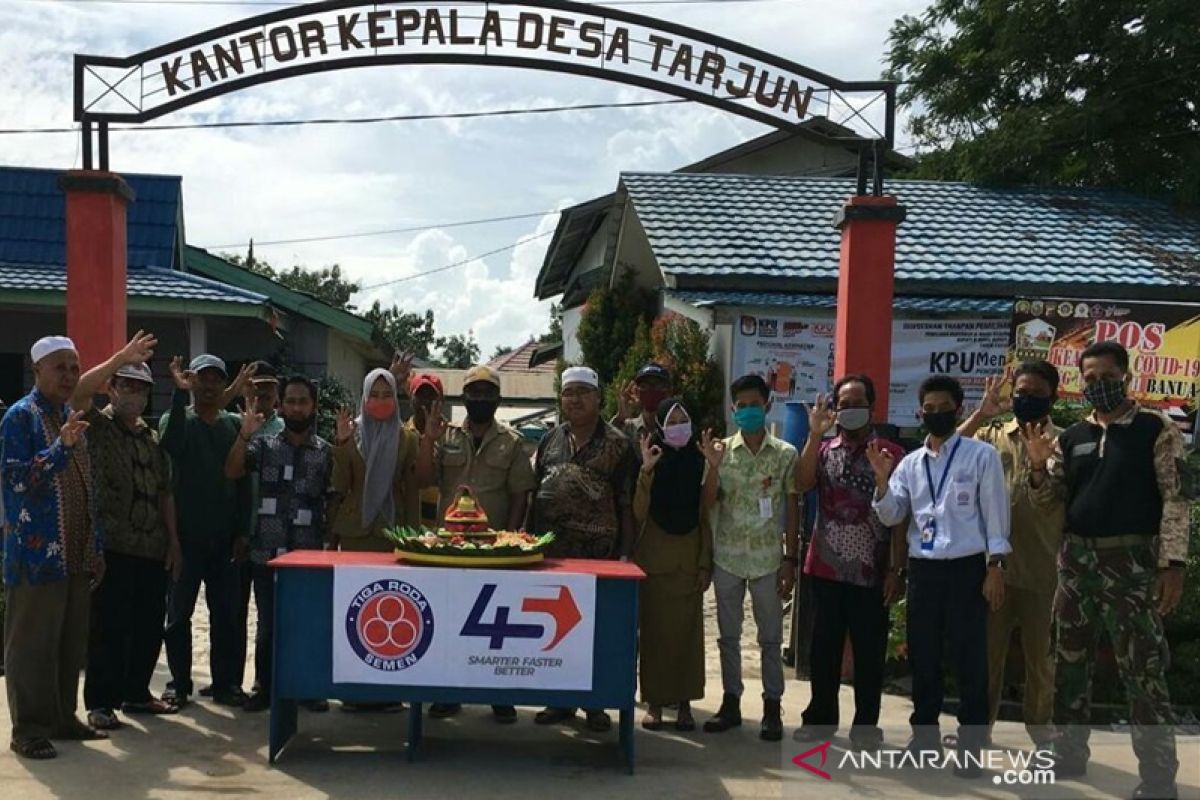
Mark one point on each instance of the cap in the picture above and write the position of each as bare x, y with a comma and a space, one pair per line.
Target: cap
49, 344
425, 379
580, 375
482, 373
136, 372
653, 370
265, 372
207, 361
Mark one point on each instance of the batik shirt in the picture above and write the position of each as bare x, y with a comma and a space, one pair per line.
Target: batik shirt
49, 504
293, 491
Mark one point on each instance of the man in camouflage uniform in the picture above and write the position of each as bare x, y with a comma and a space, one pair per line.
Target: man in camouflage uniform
1118, 472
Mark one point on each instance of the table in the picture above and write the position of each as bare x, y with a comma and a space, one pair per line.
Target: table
302, 666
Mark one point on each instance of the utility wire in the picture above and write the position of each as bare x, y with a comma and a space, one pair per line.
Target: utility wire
463, 262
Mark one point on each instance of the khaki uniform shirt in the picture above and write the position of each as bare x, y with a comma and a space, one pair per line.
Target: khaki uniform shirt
494, 471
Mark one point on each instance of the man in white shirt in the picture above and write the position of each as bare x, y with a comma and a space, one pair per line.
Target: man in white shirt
952, 490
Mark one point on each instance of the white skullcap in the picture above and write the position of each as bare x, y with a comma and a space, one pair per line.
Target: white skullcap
49, 344
585, 375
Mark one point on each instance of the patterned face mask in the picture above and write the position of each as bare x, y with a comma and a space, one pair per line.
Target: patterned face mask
1105, 395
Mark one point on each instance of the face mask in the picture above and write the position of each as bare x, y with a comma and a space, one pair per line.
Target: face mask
1029, 408
1105, 395
941, 423
750, 419
299, 425
130, 406
650, 398
381, 409
678, 435
481, 411
853, 419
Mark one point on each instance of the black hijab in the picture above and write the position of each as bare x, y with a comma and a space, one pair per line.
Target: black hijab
675, 494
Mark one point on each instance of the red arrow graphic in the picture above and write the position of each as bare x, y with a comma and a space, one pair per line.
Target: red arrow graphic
562, 608
823, 749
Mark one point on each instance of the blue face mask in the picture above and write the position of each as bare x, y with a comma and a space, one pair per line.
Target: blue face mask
750, 419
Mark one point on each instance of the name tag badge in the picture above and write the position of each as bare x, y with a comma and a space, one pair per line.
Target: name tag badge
303, 517
267, 506
287, 472
964, 498
764, 508
928, 534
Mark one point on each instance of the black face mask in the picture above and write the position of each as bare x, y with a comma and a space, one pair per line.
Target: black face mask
299, 425
1030, 408
481, 411
940, 423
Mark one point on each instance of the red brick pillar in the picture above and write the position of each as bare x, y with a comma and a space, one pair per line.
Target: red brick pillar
96, 252
866, 276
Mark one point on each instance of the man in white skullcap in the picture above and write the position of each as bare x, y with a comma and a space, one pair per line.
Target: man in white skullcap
585, 470
53, 553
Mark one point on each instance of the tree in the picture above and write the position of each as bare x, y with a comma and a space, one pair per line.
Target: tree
609, 324
1074, 92
326, 284
405, 331
501, 350
554, 334
459, 351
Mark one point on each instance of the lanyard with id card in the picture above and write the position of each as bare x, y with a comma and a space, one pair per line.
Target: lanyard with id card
929, 527
765, 508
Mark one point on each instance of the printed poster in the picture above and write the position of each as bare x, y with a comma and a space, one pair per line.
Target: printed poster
407, 626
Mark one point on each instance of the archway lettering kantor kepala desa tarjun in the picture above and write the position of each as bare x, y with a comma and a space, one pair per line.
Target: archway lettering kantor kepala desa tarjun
551, 35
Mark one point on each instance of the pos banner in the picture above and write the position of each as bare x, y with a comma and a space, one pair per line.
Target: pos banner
1163, 340
409, 626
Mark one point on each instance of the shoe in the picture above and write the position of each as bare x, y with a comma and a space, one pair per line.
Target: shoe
207, 691
968, 771
505, 715
234, 698
729, 715
444, 710
866, 737
772, 721
924, 744
685, 722
35, 749
815, 733
652, 720
598, 721
259, 701
153, 706
1156, 791
551, 716
315, 706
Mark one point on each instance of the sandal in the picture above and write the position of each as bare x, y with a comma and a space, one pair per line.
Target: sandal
652, 721
685, 721
598, 721
103, 719
78, 732
151, 706
551, 716
36, 749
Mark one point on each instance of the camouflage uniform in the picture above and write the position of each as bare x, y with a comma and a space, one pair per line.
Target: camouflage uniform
1107, 584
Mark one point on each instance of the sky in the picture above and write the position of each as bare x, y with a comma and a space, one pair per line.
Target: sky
311, 181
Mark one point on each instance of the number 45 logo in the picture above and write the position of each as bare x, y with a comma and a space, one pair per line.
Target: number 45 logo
562, 608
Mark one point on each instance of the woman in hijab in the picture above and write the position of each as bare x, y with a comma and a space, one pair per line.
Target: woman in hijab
373, 458
674, 549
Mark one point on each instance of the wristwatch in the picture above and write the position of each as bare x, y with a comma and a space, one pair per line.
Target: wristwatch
998, 561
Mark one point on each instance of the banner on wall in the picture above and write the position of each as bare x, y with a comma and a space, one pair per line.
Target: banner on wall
471, 628
1163, 340
795, 357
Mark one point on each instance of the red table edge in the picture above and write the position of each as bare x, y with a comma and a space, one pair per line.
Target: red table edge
328, 559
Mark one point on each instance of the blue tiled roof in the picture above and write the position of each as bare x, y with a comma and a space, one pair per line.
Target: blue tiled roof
154, 282
33, 209
703, 227
935, 305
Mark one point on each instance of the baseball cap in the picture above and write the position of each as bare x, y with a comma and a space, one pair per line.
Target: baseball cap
425, 379
264, 372
653, 370
207, 361
581, 375
482, 373
136, 372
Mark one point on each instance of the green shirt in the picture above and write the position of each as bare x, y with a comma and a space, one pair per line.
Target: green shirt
746, 543
210, 508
